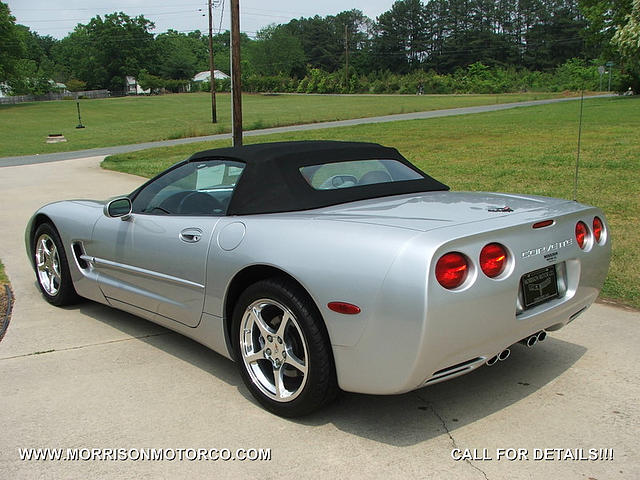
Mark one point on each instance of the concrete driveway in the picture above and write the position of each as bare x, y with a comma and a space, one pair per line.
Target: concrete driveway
91, 377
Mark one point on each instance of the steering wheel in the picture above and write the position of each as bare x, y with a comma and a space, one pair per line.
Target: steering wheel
199, 203
338, 181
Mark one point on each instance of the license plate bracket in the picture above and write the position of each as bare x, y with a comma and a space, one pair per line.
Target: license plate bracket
539, 286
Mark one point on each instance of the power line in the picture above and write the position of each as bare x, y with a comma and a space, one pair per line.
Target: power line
176, 12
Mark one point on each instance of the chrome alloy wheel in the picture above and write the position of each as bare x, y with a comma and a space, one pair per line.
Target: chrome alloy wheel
274, 350
48, 265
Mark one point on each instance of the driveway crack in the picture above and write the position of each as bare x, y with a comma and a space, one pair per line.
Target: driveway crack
78, 347
453, 440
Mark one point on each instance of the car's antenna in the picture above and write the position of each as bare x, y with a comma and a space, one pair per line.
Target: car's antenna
575, 180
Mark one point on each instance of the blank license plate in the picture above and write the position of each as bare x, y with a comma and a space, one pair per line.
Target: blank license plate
539, 286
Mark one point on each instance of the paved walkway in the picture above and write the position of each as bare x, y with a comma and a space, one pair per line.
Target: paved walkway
93, 377
54, 157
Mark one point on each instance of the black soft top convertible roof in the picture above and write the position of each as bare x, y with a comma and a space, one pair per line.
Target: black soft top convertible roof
271, 181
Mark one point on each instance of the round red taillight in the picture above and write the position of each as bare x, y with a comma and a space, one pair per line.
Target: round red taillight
582, 234
451, 270
598, 228
493, 259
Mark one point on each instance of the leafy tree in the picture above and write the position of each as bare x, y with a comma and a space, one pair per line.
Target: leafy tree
29, 79
481, 43
468, 47
106, 50
180, 56
320, 41
277, 51
360, 33
12, 47
603, 18
627, 38
222, 49
401, 39
555, 39
75, 85
148, 81
76, 56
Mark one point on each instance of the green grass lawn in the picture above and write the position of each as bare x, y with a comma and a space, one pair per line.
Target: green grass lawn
3, 276
120, 121
526, 150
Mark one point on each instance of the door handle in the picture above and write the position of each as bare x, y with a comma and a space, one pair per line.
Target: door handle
191, 235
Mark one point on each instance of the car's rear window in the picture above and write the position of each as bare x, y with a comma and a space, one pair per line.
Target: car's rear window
331, 176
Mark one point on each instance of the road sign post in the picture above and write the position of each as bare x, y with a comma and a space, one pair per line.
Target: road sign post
610, 66
601, 72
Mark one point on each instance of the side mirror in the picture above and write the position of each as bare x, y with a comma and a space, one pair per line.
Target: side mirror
118, 208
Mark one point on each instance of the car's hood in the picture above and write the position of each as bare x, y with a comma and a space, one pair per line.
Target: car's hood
90, 203
426, 211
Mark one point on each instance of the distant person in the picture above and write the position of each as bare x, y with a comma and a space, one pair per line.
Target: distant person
628, 93
420, 89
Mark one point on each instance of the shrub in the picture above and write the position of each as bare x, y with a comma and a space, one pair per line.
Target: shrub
573, 75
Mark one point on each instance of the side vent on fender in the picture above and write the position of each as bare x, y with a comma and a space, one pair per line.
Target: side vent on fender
78, 252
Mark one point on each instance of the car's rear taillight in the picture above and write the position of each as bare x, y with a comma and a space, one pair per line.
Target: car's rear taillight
493, 259
598, 229
582, 235
452, 270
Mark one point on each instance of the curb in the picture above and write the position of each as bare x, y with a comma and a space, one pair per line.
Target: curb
7, 314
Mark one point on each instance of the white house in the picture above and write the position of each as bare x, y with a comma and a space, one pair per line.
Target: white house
55, 88
205, 76
58, 87
133, 88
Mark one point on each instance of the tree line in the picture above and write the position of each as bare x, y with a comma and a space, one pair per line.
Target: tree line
413, 39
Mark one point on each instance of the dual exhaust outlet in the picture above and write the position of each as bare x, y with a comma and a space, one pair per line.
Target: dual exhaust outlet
530, 341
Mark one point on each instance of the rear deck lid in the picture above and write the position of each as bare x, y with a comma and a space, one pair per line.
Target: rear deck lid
426, 211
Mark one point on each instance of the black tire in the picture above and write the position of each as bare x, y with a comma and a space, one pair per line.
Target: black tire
304, 335
61, 291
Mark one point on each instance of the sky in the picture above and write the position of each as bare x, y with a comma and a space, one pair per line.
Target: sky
58, 18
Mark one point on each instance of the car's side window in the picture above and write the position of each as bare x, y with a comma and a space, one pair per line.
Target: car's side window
195, 188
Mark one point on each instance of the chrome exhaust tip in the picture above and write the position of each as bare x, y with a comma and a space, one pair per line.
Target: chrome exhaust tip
503, 355
492, 361
530, 341
541, 335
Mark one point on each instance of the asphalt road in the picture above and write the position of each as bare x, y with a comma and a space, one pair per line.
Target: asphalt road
55, 157
92, 377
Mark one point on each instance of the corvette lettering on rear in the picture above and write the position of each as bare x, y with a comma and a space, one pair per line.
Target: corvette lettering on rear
545, 249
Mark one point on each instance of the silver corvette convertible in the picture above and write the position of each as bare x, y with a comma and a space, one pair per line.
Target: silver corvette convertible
320, 266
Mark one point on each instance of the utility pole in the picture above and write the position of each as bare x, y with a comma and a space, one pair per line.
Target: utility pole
212, 79
346, 56
236, 84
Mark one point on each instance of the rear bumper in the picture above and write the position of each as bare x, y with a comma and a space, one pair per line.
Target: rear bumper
477, 354
450, 352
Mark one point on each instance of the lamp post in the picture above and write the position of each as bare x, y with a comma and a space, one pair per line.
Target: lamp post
79, 118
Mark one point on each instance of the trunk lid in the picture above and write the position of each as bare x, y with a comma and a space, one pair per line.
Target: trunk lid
431, 210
